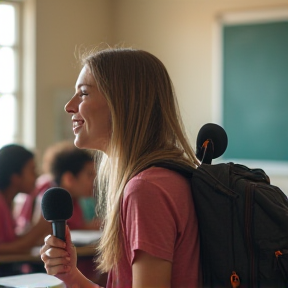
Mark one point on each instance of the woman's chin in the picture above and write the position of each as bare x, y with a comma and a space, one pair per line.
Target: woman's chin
78, 143
82, 144
98, 144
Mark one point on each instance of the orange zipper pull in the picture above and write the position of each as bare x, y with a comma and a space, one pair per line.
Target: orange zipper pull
278, 253
235, 281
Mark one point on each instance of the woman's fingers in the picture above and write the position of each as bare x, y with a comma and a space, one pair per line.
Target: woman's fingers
59, 257
55, 266
54, 241
52, 252
54, 255
58, 269
56, 260
69, 245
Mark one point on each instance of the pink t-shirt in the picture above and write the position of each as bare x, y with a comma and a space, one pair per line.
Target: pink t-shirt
7, 222
158, 217
24, 218
77, 220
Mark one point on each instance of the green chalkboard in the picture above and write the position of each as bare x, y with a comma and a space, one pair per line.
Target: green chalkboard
255, 90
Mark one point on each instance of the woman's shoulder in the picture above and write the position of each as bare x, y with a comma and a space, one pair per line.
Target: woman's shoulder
155, 173
157, 180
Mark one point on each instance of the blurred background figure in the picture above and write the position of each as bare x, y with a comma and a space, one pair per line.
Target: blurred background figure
72, 169
68, 167
17, 174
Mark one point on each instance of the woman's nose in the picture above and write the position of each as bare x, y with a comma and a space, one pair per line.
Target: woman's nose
71, 106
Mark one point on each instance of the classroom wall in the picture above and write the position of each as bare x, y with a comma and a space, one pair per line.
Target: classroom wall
61, 28
180, 32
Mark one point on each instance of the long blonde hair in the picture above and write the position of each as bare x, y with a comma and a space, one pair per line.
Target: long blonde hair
146, 128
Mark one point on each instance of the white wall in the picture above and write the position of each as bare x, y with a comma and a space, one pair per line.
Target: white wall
61, 27
179, 32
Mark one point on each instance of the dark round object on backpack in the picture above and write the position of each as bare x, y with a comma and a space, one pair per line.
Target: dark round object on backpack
217, 134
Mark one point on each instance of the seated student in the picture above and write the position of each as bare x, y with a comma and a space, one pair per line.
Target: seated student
17, 174
68, 167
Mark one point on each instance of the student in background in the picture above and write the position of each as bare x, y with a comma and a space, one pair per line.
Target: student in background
70, 168
125, 108
17, 174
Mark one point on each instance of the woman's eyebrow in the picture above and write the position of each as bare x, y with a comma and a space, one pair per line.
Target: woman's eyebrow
82, 84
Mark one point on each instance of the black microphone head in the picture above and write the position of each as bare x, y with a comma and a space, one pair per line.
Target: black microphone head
217, 134
57, 204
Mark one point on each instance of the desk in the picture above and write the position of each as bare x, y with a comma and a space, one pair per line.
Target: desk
85, 253
36, 280
84, 240
34, 257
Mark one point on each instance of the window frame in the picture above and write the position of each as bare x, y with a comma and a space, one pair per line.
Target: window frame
17, 49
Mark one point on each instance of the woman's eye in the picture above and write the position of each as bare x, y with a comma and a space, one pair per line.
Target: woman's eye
83, 94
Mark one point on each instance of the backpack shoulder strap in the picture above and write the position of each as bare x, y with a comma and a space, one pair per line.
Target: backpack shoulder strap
185, 171
215, 176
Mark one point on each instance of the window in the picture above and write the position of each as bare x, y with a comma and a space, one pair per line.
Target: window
9, 86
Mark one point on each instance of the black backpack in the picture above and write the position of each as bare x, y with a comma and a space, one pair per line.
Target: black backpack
243, 225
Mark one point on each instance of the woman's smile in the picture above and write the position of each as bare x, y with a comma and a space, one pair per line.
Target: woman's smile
77, 125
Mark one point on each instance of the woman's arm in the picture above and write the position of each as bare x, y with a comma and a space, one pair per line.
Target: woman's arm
150, 272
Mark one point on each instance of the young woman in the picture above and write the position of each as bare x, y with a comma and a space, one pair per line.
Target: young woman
124, 107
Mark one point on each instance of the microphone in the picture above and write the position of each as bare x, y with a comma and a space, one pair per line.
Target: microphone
57, 207
211, 142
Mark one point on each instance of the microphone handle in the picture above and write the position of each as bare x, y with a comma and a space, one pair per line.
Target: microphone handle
58, 228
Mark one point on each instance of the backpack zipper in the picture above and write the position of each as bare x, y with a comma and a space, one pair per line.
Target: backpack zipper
249, 196
234, 279
281, 263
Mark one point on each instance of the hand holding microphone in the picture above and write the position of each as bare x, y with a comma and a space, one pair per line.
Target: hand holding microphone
60, 258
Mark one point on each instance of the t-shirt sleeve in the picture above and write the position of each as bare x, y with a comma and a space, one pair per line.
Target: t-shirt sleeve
149, 222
